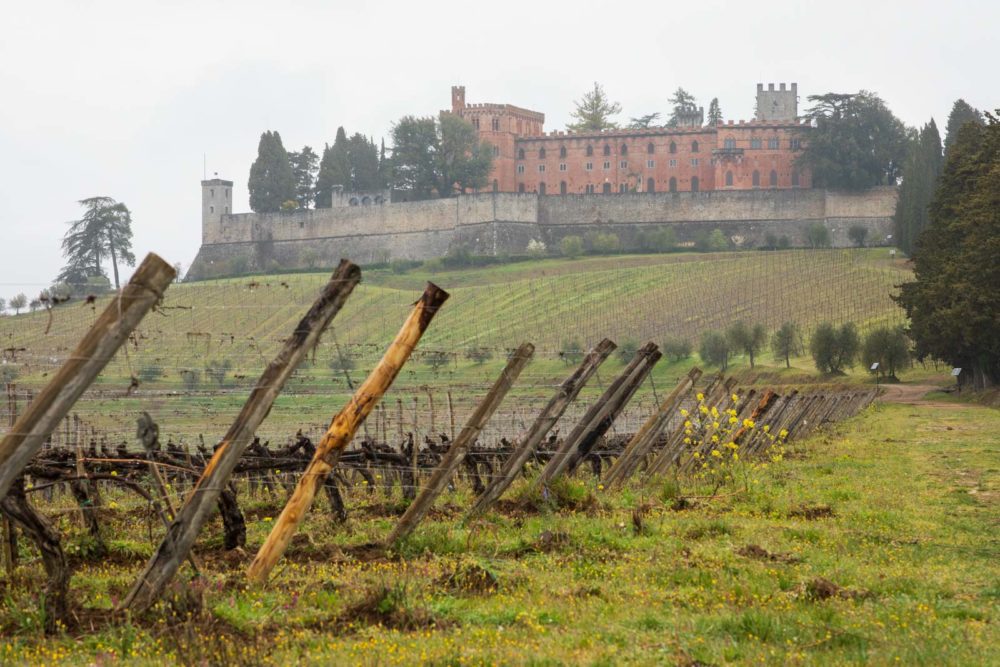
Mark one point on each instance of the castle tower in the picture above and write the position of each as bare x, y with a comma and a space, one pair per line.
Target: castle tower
777, 105
457, 99
216, 201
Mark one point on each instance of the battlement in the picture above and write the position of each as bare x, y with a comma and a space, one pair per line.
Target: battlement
777, 105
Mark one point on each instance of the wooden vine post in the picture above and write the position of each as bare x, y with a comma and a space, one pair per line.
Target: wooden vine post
342, 430
181, 534
143, 291
460, 446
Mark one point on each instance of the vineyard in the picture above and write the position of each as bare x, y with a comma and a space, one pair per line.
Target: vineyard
173, 433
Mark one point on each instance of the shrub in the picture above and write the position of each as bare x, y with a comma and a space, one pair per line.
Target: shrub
604, 244
479, 355
858, 234
8, 373
677, 348
714, 349
715, 241
818, 236
343, 361
786, 343
887, 346
150, 372
784, 243
536, 248
661, 239
834, 349
436, 359
571, 352
400, 266
571, 246
770, 241
191, 377
216, 370
627, 350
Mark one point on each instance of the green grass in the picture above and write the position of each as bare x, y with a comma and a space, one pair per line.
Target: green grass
911, 546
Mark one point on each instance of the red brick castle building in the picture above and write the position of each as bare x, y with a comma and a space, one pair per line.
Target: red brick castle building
688, 157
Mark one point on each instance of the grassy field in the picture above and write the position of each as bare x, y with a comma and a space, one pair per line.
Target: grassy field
873, 543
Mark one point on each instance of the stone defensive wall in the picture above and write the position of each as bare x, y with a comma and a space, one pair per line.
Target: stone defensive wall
504, 223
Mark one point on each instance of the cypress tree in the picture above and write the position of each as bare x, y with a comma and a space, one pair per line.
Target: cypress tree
920, 174
304, 169
271, 182
363, 158
961, 113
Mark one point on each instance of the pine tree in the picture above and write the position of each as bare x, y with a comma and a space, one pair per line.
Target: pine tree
961, 113
271, 182
682, 102
593, 112
920, 174
643, 122
714, 112
440, 157
304, 170
105, 230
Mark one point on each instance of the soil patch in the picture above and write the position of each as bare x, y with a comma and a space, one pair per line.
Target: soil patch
823, 589
812, 512
757, 552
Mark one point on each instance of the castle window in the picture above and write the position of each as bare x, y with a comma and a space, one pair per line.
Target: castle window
795, 179
366, 201
673, 163
353, 201
694, 146
755, 143
795, 144
621, 188
541, 188
541, 168
520, 153
562, 166
227, 210
694, 162
541, 153
729, 178
212, 193
589, 166
520, 187
520, 168
607, 165
624, 150
774, 178
772, 143
755, 181
606, 189
651, 185
673, 147
590, 150
589, 189
227, 192
496, 124
623, 164
694, 184
475, 123
729, 143
562, 187
650, 164
650, 148
673, 184
211, 209
607, 149
496, 185
496, 151
562, 151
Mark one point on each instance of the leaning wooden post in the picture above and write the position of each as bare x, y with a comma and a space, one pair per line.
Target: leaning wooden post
181, 534
550, 414
645, 437
91, 355
342, 429
460, 446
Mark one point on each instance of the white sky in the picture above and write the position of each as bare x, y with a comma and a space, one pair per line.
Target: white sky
124, 98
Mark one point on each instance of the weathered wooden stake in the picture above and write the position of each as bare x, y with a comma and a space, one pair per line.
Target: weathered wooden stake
460, 446
550, 414
341, 431
182, 533
91, 355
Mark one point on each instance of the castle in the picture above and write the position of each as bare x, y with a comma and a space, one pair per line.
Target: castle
688, 157
740, 178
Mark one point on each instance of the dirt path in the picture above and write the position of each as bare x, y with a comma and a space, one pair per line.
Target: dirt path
912, 394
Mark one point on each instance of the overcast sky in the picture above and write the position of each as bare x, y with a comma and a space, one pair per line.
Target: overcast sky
125, 99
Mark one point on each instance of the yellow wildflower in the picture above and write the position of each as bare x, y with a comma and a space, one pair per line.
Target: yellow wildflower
716, 453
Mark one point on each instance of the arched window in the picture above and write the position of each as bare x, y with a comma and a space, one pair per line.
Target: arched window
520, 153
624, 150
606, 189
227, 209
673, 184
590, 150
650, 148
694, 184
729, 178
541, 188
694, 146
562, 151
211, 209
353, 201
673, 147
607, 149
496, 185
729, 143
622, 188
756, 178
562, 187
795, 179
651, 184
774, 178
541, 153
772, 143
366, 201
520, 187
755, 143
